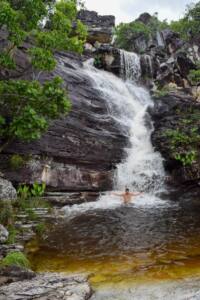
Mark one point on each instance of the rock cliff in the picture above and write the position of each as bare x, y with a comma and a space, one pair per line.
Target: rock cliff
79, 152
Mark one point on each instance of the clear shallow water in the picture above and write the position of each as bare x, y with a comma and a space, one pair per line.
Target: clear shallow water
126, 245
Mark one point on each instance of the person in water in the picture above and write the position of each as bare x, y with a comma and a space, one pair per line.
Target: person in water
127, 195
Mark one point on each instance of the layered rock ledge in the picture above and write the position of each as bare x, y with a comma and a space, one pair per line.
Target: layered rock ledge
49, 286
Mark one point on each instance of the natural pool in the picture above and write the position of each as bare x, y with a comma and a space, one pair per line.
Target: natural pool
123, 247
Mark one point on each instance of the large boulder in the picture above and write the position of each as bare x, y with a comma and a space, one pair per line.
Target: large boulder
7, 191
100, 28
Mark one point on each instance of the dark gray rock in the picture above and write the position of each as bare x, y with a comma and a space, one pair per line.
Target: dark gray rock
169, 113
100, 28
81, 149
144, 18
108, 59
63, 199
184, 63
14, 273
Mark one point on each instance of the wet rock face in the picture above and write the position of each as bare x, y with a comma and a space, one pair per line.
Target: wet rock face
7, 191
100, 28
49, 286
108, 59
82, 149
180, 112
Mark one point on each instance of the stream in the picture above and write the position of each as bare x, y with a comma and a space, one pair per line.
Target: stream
148, 249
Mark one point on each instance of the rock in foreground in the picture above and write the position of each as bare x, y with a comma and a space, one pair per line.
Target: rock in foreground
7, 191
48, 286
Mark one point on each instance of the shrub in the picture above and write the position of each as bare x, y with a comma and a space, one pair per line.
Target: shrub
38, 189
194, 76
186, 158
40, 229
161, 92
6, 214
189, 25
12, 235
127, 33
16, 161
23, 192
16, 259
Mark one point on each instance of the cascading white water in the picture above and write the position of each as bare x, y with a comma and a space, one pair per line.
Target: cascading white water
130, 65
142, 168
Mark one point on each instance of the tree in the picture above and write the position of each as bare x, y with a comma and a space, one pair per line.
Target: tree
189, 25
27, 106
127, 33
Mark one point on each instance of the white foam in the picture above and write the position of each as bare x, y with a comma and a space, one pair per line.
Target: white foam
111, 202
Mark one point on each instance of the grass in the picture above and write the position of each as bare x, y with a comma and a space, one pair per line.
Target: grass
15, 259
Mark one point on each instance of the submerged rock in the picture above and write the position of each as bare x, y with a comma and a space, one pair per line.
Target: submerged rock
49, 286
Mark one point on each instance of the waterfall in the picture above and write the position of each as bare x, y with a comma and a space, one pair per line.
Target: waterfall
148, 65
130, 65
142, 168
160, 40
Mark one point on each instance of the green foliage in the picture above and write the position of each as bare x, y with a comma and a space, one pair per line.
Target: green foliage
189, 25
185, 139
27, 106
23, 192
29, 199
161, 92
186, 158
155, 24
126, 33
30, 212
12, 235
38, 189
16, 259
181, 26
31, 106
16, 161
40, 229
194, 76
42, 59
6, 213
